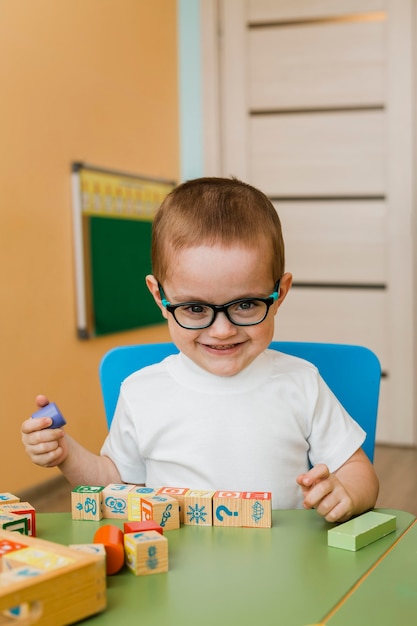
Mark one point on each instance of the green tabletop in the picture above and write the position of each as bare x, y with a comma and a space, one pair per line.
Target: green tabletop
388, 595
239, 576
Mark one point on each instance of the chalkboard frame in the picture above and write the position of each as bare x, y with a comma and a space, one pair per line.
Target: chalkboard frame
112, 221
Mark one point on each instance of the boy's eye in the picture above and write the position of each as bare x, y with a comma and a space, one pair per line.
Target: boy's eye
247, 305
195, 309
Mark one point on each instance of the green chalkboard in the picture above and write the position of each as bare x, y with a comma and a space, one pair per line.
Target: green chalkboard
113, 214
120, 260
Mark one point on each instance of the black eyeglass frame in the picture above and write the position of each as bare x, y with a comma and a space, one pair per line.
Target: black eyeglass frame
219, 308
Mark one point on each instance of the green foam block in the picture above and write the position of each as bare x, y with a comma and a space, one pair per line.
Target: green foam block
360, 531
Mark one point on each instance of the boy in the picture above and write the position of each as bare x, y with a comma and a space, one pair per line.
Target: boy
226, 413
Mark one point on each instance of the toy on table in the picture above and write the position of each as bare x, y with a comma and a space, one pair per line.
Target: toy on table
23, 509
51, 410
146, 552
47, 583
111, 537
16, 516
361, 531
195, 507
141, 527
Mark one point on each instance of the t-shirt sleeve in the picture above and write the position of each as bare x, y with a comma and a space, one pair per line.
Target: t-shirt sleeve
334, 435
121, 446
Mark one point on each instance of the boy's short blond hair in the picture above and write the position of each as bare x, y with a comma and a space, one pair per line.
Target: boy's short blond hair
215, 211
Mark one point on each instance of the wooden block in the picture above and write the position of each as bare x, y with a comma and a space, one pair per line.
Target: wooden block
7, 546
112, 538
143, 491
227, 508
8, 498
40, 559
115, 500
13, 522
360, 531
91, 548
142, 527
256, 509
66, 594
178, 493
162, 509
146, 552
198, 507
87, 503
134, 499
25, 509
18, 573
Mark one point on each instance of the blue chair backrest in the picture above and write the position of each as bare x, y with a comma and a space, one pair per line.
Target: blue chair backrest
353, 373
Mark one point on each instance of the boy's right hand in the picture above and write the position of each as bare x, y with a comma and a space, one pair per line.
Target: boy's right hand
45, 446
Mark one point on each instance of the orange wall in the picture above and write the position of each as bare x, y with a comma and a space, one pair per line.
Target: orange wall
81, 80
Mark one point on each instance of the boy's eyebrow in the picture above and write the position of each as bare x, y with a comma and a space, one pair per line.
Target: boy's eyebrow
186, 298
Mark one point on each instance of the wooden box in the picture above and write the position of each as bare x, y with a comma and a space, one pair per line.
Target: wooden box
58, 585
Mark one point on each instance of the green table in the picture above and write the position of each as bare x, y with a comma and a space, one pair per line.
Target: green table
388, 594
285, 575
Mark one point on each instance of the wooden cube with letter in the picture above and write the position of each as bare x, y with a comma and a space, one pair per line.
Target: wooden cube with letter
256, 509
146, 552
25, 509
87, 503
115, 500
227, 508
162, 509
198, 507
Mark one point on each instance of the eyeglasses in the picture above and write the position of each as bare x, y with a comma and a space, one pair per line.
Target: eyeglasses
242, 312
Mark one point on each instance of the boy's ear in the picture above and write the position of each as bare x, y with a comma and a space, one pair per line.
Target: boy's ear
152, 285
284, 287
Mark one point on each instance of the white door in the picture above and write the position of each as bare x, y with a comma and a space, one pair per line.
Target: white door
311, 101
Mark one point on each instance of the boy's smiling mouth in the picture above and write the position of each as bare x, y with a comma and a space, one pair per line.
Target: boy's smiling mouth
223, 346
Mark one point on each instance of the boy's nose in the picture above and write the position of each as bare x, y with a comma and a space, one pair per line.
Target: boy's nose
222, 326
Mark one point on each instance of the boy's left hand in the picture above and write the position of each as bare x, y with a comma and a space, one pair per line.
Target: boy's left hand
324, 492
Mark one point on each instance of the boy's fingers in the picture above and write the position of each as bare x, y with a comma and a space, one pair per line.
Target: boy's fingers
318, 472
41, 400
32, 425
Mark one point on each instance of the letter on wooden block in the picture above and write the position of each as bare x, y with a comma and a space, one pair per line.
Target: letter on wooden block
8, 498
257, 509
146, 552
38, 558
90, 548
198, 507
115, 500
13, 522
162, 509
227, 508
134, 498
178, 493
25, 509
87, 503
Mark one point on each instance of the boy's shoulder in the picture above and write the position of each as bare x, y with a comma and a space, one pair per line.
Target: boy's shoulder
283, 363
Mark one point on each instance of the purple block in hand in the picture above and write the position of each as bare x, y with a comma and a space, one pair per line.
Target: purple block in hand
51, 410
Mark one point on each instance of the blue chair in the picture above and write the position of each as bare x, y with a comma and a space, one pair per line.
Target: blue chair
353, 373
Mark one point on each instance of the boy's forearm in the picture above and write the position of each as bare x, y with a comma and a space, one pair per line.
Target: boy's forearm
361, 483
82, 467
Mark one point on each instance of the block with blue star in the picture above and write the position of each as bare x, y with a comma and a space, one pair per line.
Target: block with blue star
198, 507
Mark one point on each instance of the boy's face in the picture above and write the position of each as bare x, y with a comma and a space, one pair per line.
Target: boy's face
216, 275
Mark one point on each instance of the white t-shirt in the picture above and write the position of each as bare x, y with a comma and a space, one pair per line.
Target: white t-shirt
177, 425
